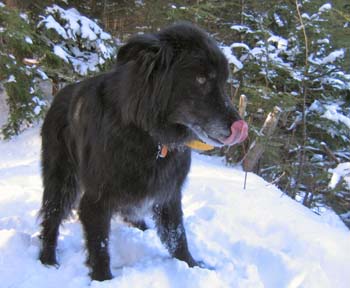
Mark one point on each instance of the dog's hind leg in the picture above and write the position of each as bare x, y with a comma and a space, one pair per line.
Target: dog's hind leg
60, 193
95, 215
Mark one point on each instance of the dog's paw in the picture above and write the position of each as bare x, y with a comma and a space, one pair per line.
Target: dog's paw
203, 265
100, 275
49, 260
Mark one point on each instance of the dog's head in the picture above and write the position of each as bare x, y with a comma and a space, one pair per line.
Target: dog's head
179, 78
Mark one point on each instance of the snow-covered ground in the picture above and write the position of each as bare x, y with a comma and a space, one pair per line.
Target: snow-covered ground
254, 238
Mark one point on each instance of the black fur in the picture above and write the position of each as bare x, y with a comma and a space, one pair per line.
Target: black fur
101, 136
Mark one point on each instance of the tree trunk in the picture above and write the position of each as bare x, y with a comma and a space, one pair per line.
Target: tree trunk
258, 146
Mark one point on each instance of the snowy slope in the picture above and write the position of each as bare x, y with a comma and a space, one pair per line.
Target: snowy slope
254, 238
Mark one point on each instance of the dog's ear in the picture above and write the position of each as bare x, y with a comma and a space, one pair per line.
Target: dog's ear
150, 66
148, 51
137, 48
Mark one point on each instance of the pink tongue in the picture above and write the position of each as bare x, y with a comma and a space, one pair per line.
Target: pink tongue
239, 132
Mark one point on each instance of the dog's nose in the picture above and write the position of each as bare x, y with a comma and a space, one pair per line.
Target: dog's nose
239, 132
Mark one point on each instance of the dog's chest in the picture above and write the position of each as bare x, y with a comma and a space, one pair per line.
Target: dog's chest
163, 186
163, 180
170, 172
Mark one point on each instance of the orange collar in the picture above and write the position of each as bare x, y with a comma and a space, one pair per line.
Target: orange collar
162, 151
195, 144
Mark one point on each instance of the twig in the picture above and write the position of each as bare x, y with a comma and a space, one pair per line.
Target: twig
245, 181
329, 152
304, 94
277, 179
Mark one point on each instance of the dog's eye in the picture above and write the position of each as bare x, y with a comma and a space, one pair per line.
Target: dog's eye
201, 80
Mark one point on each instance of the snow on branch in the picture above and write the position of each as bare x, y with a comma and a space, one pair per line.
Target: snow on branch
82, 42
330, 58
334, 115
231, 58
342, 171
325, 8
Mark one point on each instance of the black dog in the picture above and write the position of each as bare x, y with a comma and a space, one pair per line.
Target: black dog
117, 141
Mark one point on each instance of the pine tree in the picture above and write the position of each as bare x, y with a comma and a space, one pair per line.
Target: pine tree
61, 44
291, 62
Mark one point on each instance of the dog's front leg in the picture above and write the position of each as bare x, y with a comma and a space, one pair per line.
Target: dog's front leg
95, 217
172, 232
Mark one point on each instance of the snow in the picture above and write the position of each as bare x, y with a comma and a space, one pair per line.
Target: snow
42, 74
83, 43
317, 107
51, 23
337, 81
232, 59
240, 45
333, 56
39, 104
37, 110
259, 52
332, 114
342, 171
77, 24
323, 41
28, 40
254, 238
241, 28
24, 16
278, 20
324, 8
305, 16
139, 3
60, 52
11, 78
282, 43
